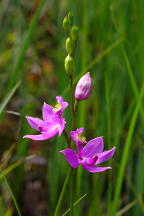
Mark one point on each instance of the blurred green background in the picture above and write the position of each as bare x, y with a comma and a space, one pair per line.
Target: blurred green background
32, 53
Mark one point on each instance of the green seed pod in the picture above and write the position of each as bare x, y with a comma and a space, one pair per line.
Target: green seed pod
74, 32
70, 17
69, 65
66, 24
69, 45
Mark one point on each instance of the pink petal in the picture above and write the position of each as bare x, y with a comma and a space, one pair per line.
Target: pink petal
93, 147
64, 105
43, 136
95, 169
36, 137
105, 155
47, 112
59, 99
61, 127
35, 123
71, 157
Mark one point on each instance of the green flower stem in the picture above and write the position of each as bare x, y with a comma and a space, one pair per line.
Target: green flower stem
72, 96
56, 213
72, 191
66, 138
76, 106
72, 146
72, 108
72, 32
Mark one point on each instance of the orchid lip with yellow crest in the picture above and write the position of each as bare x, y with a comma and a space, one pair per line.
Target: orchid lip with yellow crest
57, 107
81, 138
61, 105
78, 138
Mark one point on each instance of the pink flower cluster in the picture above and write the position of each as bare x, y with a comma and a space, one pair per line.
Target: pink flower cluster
89, 154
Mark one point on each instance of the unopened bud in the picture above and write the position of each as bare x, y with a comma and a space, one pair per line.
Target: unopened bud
70, 17
84, 87
69, 45
66, 24
69, 64
74, 32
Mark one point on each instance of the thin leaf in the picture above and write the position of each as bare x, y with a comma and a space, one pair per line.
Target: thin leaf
125, 157
75, 204
8, 97
62, 193
25, 44
126, 208
9, 169
11, 194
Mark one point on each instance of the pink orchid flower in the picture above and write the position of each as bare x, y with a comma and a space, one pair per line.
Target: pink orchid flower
52, 122
88, 156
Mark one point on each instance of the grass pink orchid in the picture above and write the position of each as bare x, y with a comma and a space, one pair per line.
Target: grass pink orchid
88, 156
52, 122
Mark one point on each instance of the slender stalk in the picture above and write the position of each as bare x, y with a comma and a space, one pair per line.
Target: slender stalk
56, 213
69, 67
8, 97
72, 146
71, 192
66, 137
11, 194
108, 118
76, 106
72, 108
81, 198
72, 96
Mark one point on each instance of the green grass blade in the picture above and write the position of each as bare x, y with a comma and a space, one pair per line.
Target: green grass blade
8, 97
133, 83
139, 179
126, 208
62, 193
26, 41
125, 158
12, 195
104, 53
75, 204
9, 169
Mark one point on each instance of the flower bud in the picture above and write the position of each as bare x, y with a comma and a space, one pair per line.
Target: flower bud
69, 64
69, 45
70, 17
66, 24
74, 32
83, 88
